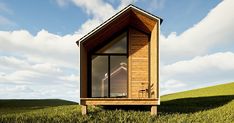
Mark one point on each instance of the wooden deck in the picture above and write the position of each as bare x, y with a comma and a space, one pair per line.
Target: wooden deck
119, 101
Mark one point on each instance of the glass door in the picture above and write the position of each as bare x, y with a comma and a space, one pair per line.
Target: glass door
118, 76
99, 76
109, 69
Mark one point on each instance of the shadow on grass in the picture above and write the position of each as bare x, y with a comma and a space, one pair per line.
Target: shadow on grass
33, 103
182, 105
128, 107
191, 105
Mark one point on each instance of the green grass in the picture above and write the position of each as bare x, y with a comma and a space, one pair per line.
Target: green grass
218, 90
15, 106
211, 104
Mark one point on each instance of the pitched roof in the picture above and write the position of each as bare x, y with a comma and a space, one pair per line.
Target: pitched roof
129, 7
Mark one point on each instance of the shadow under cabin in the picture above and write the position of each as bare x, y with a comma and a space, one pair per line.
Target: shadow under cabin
119, 61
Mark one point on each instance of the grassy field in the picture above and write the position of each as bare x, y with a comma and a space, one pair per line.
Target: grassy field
212, 104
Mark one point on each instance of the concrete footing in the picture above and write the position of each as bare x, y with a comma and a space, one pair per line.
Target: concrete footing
153, 110
84, 109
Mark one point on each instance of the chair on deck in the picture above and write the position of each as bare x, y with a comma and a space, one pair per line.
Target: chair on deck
145, 91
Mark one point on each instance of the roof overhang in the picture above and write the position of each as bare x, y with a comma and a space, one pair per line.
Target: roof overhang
129, 16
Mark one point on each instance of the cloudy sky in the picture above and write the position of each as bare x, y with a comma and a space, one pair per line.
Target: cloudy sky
39, 57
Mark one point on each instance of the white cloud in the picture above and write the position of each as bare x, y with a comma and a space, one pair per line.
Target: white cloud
185, 59
97, 8
72, 77
38, 62
47, 64
214, 32
32, 92
169, 83
42, 47
171, 86
198, 72
99, 11
208, 68
88, 26
16, 88
218, 61
11, 61
124, 3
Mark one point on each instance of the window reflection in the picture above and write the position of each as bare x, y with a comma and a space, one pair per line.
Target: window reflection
118, 76
109, 69
99, 71
117, 45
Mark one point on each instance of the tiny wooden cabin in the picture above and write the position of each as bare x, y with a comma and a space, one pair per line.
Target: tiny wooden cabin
119, 61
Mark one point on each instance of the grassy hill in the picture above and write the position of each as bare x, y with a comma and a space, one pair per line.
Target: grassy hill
211, 104
218, 90
16, 106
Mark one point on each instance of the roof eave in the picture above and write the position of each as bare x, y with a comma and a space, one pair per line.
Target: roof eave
130, 6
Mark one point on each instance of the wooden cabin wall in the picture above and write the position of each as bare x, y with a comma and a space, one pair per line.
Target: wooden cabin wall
83, 72
138, 64
154, 62
142, 64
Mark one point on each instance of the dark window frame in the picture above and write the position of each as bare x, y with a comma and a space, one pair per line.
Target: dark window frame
93, 53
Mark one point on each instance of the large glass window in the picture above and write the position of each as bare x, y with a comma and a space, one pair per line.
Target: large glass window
118, 76
99, 76
109, 69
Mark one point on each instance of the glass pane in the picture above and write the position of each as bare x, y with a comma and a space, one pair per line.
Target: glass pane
99, 76
118, 76
118, 45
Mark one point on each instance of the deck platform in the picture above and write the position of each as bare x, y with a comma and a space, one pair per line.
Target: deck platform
119, 101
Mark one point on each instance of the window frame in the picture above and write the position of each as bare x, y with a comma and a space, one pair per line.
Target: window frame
108, 55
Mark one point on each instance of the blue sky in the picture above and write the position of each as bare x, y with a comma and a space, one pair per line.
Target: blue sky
39, 57
47, 14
